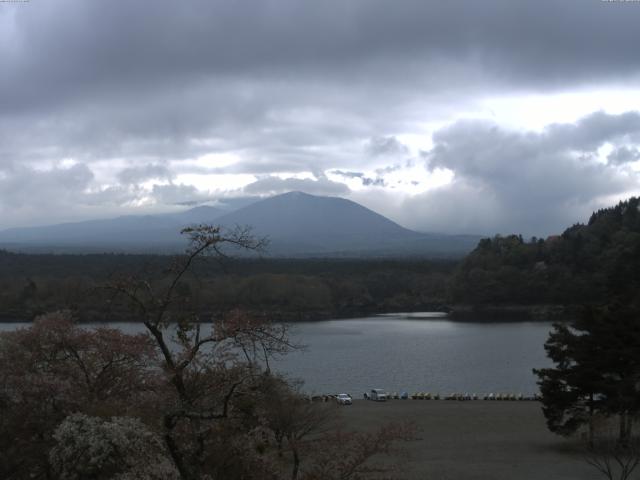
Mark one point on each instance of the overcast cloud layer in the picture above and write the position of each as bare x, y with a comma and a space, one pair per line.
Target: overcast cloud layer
461, 116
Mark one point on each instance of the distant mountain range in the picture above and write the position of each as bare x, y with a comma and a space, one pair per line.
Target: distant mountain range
296, 224
153, 233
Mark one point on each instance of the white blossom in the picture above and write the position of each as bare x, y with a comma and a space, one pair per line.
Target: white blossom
121, 448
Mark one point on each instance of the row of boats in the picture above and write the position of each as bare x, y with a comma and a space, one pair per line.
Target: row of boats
463, 396
436, 396
467, 396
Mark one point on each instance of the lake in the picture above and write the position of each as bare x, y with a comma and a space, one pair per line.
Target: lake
411, 352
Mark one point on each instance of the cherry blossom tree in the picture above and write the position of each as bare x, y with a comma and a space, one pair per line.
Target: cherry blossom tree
120, 448
55, 368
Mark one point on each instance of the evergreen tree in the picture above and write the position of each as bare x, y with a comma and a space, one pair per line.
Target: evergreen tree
597, 370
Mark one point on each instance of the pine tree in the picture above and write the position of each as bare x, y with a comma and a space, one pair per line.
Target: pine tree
597, 371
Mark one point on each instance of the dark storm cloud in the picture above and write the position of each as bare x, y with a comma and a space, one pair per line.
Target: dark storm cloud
77, 47
533, 183
72, 52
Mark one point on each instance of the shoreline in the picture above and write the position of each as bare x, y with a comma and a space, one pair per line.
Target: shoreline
454, 313
535, 312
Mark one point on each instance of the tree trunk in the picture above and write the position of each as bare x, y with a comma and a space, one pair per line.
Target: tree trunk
279, 440
174, 450
296, 463
591, 425
624, 429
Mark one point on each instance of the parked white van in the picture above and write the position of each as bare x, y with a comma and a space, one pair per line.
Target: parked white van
378, 395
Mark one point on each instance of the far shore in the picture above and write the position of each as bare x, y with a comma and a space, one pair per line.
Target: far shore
461, 313
512, 312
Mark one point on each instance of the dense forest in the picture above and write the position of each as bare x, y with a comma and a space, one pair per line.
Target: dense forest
587, 264
294, 289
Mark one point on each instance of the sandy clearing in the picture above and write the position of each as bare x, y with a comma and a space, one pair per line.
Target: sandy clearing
476, 440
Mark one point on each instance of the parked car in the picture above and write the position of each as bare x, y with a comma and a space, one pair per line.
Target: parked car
378, 395
344, 399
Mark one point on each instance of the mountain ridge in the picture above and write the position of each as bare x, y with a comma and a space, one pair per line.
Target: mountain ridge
296, 223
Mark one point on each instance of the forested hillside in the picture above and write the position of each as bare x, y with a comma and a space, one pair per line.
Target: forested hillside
587, 264
285, 289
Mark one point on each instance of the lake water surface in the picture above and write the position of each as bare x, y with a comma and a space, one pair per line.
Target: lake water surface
412, 352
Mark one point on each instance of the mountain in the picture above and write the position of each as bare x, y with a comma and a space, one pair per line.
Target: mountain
299, 224
296, 224
315, 221
153, 233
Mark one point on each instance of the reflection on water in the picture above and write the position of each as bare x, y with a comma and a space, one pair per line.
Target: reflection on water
413, 352
416, 315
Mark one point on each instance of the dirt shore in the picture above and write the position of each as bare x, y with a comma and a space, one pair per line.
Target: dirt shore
476, 440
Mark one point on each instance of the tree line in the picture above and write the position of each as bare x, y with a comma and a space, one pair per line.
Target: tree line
286, 289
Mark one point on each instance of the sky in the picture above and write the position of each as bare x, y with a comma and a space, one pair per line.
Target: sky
458, 116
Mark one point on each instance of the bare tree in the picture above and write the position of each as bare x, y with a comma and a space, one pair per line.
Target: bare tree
614, 460
207, 368
295, 423
608, 454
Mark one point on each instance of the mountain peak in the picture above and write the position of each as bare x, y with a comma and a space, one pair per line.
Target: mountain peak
295, 193
313, 223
